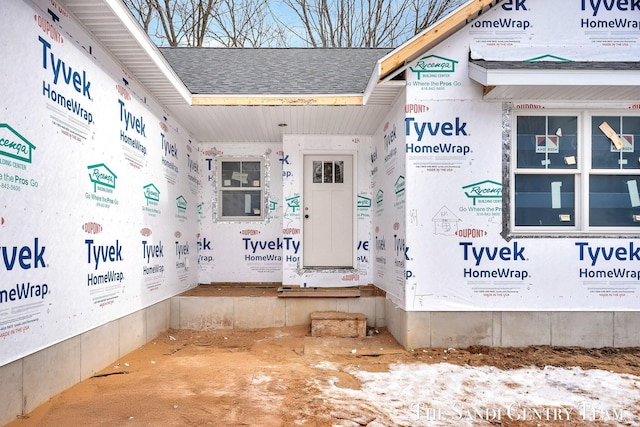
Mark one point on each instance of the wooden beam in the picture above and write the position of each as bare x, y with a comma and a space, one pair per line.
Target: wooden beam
432, 36
210, 100
487, 89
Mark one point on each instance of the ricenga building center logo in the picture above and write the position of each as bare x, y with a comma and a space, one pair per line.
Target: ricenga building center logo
14, 146
152, 197
151, 194
433, 64
181, 206
104, 180
102, 177
16, 152
482, 190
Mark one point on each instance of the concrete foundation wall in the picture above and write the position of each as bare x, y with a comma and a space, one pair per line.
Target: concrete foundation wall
32, 380
204, 313
513, 329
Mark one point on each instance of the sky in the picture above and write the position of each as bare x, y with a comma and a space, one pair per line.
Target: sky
443, 394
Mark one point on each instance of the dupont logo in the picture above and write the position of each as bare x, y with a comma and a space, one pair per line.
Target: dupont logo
123, 92
249, 232
471, 233
14, 145
483, 190
434, 64
151, 193
146, 231
91, 227
101, 176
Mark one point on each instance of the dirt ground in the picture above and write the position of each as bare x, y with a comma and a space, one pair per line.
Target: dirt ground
262, 378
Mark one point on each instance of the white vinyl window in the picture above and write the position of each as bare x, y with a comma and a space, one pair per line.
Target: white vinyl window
241, 189
576, 172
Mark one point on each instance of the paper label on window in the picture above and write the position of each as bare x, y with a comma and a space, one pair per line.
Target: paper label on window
556, 195
627, 145
633, 193
612, 135
547, 144
242, 177
247, 203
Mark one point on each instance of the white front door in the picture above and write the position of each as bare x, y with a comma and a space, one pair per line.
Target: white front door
328, 211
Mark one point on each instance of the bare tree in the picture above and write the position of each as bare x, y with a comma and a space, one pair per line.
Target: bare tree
174, 22
361, 23
243, 23
427, 12
262, 23
142, 10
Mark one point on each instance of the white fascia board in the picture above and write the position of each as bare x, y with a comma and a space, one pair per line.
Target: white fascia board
550, 77
373, 82
119, 9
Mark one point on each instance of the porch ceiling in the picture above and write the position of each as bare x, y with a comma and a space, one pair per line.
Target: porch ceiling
114, 27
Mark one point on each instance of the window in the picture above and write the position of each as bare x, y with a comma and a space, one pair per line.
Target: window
241, 189
576, 172
328, 172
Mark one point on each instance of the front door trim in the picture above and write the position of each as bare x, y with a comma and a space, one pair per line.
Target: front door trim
354, 186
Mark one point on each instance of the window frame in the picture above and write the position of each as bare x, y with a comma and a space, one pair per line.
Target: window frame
228, 189
582, 175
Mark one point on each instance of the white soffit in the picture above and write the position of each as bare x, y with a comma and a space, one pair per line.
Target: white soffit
114, 27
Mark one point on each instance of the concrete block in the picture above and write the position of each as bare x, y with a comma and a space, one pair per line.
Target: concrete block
396, 322
522, 328
50, 371
174, 322
132, 332
157, 319
10, 392
99, 347
418, 329
259, 312
461, 329
583, 329
496, 329
203, 313
298, 310
365, 305
381, 320
625, 329
338, 324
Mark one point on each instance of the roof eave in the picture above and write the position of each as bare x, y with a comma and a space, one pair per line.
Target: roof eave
431, 37
278, 100
126, 18
552, 77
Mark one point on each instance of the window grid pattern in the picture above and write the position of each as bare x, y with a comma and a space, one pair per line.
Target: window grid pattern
576, 172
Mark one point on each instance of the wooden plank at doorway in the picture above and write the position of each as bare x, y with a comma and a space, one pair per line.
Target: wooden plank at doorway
298, 292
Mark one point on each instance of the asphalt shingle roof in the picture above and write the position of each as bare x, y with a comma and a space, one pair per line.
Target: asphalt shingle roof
272, 71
